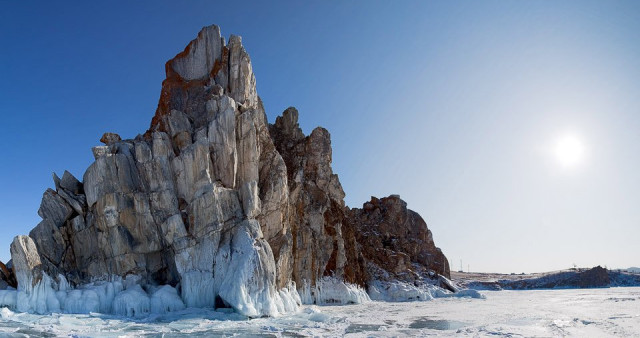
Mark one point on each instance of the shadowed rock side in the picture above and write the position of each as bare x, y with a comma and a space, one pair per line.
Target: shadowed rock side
215, 201
7, 277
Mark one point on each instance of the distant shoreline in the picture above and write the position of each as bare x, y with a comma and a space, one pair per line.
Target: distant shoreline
597, 277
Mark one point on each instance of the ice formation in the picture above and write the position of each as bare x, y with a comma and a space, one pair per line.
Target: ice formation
8, 299
332, 291
166, 299
399, 291
241, 279
118, 297
240, 276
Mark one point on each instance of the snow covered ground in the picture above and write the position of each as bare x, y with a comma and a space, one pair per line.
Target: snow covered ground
577, 312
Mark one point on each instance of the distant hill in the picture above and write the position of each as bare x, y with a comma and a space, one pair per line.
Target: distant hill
596, 277
633, 269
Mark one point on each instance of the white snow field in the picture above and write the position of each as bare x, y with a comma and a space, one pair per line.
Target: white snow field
537, 313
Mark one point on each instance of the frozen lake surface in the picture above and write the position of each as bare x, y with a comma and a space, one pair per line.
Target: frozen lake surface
577, 312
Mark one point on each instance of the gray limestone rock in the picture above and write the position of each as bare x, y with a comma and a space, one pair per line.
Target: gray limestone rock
242, 82
192, 170
108, 174
100, 151
250, 199
77, 202
198, 59
222, 140
247, 148
178, 126
50, 241
54, 208
26, 262
71, 184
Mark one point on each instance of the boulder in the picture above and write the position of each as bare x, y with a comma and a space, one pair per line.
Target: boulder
26, 262
110, 138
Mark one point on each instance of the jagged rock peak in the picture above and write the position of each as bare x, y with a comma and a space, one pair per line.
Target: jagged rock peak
287, 125
205, 69
198, 60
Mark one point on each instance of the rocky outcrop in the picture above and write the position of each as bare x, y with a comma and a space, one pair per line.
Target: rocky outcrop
396, 240
217, 203
27, 261
324, 242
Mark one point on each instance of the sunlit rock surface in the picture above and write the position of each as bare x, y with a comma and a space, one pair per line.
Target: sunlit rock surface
210, 207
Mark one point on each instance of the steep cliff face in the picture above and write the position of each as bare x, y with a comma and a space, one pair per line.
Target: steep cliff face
324, 242
216, 202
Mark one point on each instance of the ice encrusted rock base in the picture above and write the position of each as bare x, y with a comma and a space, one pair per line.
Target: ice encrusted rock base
332, 291
238, 286
120, 298
399, 291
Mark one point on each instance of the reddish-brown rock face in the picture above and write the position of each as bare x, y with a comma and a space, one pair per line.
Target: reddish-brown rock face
397, 239
324, 243
7, 276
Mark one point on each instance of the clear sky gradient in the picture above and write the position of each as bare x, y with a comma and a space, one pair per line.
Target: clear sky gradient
456, 106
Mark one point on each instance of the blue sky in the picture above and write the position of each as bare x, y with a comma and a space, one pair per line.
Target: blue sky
456, 106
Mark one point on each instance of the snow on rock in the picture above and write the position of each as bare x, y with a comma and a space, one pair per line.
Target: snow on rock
332, 291
467, 293
398, 291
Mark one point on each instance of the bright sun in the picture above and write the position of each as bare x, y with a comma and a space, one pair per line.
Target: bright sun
569, 150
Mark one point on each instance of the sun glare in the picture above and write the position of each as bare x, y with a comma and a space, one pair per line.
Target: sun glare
569, 150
